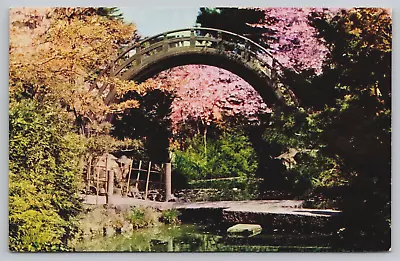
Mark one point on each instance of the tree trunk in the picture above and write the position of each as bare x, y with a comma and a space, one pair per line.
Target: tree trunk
205, 141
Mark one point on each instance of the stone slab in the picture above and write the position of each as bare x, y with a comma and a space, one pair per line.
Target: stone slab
246, 230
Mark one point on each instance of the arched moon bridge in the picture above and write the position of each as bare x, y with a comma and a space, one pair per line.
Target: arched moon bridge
208, 46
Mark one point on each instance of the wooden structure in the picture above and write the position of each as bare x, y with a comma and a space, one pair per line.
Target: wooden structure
198, 45
100, 180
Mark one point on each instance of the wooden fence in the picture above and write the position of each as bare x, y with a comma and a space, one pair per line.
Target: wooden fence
101, 178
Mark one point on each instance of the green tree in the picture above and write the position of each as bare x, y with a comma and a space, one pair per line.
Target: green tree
43, 181
237, 20
150, 122
351, 106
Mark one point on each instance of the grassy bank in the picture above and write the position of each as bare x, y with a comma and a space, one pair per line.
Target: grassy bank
110, 220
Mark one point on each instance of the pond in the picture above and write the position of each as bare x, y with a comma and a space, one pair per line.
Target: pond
200, 238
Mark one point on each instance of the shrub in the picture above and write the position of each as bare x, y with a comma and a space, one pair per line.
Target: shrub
144, 217
43, 163
231, 155
170, 216
240, 188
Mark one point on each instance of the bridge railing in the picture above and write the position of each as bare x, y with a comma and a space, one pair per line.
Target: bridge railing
230, 43
190, 37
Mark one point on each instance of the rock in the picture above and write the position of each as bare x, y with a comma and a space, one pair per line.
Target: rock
244, 230
118, 191
134, 192
127, 227
153, 194
172, 199
87, 232
118, 209
108, 231
158, 242
118, 230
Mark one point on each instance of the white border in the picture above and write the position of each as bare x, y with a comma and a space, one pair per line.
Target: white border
5, 4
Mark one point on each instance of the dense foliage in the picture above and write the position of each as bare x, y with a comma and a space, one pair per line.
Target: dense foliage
150, 122
230, 155
55, 122
343, 130
170, 216
237, 20
357, 126
144, 217
43, 167
227, 163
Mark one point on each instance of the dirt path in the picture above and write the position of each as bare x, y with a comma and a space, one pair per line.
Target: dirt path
290, 207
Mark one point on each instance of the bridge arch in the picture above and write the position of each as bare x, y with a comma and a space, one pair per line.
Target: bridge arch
208, 46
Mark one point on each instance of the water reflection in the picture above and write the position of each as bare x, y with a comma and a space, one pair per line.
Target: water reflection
196, 238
